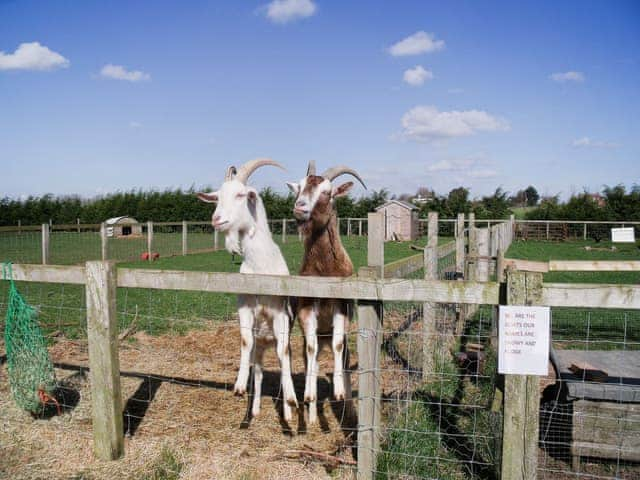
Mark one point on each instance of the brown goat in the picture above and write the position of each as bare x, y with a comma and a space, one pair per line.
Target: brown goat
323, 320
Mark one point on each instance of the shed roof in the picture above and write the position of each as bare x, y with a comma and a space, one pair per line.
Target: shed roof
402, 203
114, 220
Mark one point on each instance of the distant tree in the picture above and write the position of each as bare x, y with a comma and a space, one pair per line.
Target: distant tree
458, 201
532, 196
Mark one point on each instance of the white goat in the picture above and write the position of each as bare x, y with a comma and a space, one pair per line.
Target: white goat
324, 255
264, 320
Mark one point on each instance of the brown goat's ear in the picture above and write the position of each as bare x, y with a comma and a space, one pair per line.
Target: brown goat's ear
252, 195
208, 197
341, 190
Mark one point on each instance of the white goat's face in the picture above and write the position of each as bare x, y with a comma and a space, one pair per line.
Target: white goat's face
315, 196
236, 206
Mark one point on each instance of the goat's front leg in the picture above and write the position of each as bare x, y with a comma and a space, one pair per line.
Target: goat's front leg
246, 346
309, 322
283, 348
257, 378
338, 345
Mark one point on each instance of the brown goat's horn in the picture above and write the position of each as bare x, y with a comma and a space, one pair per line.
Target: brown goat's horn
311, 169
335, 172
245, 171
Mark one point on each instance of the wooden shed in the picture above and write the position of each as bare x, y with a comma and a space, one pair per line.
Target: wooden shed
123, 227
401, 220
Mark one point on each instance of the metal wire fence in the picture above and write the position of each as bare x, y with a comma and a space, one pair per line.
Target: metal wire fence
590, 407
563, 230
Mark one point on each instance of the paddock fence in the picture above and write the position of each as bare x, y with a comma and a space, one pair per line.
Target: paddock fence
145, 355
569, 230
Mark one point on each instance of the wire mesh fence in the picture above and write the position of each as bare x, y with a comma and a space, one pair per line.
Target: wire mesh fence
559, 230
21, 244
590, 407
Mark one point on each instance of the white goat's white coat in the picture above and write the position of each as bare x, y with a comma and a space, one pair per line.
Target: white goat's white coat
264, 320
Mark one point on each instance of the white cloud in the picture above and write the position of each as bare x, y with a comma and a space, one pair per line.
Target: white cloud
587, 142
417, 76
118, 72
562, 77
426, 123
419, 42
32, 56
285, 11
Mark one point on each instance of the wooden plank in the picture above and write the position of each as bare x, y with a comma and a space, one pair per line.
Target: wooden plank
102, 333
447, 249
48, 273
375, 241
404, 266
408, 290
429, 316
21, 228
369, 343
526, 265
521, 394
594, 266
593, 295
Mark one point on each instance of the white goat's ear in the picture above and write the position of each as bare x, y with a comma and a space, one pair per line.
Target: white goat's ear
294, 187
211, 197
341, 190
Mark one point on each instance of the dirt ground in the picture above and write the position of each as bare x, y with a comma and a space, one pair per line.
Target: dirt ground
178, 396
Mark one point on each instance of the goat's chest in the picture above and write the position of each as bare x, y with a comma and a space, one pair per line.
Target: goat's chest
263, 325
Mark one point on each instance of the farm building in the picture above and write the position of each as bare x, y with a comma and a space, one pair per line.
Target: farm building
401, 220
123, 226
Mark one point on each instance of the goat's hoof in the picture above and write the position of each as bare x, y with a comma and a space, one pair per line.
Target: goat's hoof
255, 412
308, 398
339, 396
239, 391
292, 402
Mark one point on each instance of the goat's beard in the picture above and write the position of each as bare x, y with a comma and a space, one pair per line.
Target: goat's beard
232, 242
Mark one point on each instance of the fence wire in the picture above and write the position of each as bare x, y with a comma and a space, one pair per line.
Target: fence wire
590, 407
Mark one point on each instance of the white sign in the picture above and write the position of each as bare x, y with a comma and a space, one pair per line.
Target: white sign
523, 335
623, 235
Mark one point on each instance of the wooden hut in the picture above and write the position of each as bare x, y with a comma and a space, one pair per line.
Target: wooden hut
122, 227
401, 220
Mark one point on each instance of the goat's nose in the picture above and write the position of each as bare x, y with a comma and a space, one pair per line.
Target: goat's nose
300, 203
216, 218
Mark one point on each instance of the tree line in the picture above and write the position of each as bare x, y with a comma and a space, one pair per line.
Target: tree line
613, 203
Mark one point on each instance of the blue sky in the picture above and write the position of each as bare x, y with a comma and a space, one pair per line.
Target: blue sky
439, 94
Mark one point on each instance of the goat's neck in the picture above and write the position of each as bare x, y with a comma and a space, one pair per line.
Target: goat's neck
324, 253
260, 253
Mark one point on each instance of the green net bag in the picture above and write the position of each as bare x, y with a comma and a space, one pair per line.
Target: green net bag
31, 374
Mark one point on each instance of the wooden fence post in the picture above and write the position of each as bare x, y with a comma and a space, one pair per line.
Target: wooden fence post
215, 239
104, 252
429, 332
375, 242
482, 262
348, 227
521, 394
584, 232
547, 230
284, 230
369, 344
78, 222
102, 332
150, 238
19, 226
45, 243
360, 227
460, 244
185, 230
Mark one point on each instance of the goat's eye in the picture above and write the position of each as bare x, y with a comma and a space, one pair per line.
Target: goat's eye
241, 195
326, 193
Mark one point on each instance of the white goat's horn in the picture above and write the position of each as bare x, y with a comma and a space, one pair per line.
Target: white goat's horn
231, 172
245, 171
334, 172
311, 169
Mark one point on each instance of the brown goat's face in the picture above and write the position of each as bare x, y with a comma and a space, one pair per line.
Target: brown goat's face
314, 198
